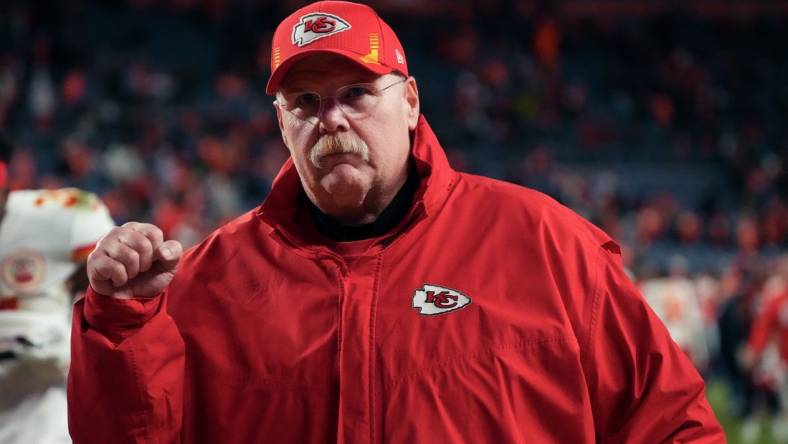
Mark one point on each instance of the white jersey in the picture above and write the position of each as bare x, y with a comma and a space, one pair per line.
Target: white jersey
676, 302
44, 236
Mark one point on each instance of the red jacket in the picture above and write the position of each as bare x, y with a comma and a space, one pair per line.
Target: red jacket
267, 335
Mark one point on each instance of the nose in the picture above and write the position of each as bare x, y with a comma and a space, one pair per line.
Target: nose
332, 118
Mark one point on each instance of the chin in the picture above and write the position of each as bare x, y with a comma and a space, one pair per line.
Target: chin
348, 205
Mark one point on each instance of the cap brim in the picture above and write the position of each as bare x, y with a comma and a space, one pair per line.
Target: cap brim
279, 73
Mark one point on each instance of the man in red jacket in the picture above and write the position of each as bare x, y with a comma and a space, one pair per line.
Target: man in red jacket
376, 295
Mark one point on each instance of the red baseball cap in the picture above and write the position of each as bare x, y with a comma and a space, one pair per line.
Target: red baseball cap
351, 30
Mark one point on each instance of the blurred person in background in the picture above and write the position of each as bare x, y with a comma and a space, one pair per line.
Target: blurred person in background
45, 238
675, 300
766, 352
709, 291
376, 295
742, 284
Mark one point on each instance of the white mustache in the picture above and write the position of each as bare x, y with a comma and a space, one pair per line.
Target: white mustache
338, 143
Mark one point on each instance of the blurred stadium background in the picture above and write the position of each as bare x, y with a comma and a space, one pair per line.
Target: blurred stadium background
663, 122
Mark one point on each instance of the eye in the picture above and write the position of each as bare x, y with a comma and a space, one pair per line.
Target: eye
307, 100
357, 92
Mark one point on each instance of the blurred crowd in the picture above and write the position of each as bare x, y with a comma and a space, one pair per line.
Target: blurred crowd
668, 131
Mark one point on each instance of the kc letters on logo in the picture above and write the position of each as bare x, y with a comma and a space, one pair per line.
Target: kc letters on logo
433, 299
317, 25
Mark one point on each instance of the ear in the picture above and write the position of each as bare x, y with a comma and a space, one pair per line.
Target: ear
281, 124
412, 100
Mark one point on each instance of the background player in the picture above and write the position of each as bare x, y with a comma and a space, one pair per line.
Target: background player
45, 237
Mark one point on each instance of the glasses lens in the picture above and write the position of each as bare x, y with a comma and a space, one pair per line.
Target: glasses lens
304, 105
357, 100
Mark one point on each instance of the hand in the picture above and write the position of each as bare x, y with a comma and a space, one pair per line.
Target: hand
133, 260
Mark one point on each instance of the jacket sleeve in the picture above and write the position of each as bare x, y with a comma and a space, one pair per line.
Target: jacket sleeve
643, 388
125, 383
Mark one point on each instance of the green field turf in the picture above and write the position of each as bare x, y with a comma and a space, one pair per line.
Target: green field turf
718, 394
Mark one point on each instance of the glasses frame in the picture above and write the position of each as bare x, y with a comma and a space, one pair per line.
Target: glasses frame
316, 118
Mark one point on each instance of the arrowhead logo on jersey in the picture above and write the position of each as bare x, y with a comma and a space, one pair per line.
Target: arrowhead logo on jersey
432, 300
23, 270
317, 25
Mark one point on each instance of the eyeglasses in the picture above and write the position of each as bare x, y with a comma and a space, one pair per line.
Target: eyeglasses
356, 101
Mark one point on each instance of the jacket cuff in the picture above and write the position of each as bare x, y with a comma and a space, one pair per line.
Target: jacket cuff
117, 319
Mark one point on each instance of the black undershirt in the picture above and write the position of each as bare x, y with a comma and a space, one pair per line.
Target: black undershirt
388, 219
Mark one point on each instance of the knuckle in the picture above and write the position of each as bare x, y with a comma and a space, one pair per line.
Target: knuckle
113, 236
131, 239
116, 231
144, 243
128, 257
109, 247
131, 255
100, 245
155, 231
100, 269
118, 270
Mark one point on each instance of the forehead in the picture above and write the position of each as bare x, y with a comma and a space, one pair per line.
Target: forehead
324, 71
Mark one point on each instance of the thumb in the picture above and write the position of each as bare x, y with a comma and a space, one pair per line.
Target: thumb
169, 254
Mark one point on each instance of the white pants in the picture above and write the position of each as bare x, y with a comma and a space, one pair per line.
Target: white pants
33, 403
38, 419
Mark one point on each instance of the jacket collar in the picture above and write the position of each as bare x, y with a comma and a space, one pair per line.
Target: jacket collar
284, 209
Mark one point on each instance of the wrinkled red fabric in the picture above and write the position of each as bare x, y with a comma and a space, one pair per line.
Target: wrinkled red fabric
267, 335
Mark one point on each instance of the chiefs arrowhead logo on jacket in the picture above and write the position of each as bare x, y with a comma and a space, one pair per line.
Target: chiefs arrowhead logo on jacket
317, 25
433, 299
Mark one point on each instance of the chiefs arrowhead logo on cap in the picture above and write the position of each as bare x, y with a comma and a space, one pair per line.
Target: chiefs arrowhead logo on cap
356, 32
433, 299
317, 25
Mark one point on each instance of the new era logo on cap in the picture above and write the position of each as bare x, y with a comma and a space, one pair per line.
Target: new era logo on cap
317, 25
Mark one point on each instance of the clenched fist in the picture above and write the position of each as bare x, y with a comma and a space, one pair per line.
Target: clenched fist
133, 260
